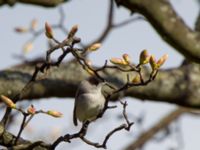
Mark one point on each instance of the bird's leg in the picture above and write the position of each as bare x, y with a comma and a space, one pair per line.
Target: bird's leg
84, 128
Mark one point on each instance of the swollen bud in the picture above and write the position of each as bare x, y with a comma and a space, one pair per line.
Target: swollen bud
31, 110
27, 47
54, 113
126, 58
162, 60
48, 31
73, 31
34, 24
118, 61
144, 57
136, 79
21, 29
94, 47
8, 102
153, 63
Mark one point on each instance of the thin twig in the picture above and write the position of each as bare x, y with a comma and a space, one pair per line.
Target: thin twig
21, 127
128, 21
108, 27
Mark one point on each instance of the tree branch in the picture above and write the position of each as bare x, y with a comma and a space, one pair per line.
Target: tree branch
183, 82
168, 24
7, 139
149, 134
44, 3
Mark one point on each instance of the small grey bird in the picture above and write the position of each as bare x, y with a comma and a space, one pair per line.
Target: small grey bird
89, 101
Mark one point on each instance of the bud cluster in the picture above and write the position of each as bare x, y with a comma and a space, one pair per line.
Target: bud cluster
146, 58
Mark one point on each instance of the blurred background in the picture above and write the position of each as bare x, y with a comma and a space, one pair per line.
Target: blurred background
91, 17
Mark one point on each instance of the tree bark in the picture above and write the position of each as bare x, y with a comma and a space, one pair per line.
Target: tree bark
178, 86
169, 25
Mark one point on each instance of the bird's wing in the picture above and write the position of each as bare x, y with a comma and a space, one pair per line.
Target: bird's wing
74, 115
81, 90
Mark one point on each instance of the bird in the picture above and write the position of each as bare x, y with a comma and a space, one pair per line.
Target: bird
89, 101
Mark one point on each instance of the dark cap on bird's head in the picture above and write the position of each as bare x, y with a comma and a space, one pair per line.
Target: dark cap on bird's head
94, 81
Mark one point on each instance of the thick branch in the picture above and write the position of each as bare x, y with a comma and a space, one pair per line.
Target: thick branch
7, 139
179, 86
44, 3
168, 24
163, 123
